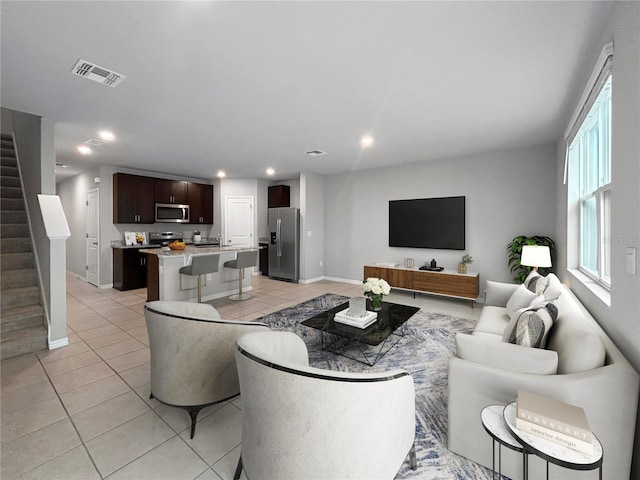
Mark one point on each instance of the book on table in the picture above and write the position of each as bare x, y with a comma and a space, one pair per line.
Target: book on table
554, 420
359, 322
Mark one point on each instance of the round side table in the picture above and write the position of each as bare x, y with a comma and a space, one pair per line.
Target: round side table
551, 451
493, 423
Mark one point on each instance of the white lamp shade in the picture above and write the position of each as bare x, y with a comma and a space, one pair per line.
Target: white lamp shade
535, 256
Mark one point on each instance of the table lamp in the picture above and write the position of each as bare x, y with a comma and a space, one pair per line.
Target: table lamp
535, 256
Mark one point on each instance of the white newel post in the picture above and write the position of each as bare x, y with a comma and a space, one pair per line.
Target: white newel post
58, 231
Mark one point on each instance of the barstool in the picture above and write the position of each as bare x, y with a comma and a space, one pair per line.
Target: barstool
201, 264
245, 259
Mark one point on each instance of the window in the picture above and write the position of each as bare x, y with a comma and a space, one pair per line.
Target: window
589, 159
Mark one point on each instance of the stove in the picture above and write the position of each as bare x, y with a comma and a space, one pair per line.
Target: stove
164, 238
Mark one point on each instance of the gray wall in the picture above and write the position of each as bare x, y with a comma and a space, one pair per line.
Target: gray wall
312, 226
621, 320
507, 193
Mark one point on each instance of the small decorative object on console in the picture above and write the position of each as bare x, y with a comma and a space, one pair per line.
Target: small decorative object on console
462, 266
408, 262
375, 288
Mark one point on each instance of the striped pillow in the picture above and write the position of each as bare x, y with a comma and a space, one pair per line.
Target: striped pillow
536, 282
533, 325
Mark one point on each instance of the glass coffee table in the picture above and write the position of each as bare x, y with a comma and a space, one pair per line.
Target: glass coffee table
383, 334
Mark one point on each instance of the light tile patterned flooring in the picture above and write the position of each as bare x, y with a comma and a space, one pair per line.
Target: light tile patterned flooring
83, 411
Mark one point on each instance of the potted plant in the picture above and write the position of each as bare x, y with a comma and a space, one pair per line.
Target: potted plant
462, 266
514, 252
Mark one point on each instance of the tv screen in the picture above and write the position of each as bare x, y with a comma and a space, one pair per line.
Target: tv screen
428, 223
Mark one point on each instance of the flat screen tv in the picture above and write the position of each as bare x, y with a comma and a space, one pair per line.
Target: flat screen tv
428, 223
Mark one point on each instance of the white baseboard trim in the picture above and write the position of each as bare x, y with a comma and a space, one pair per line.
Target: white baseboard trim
344, 280
108, 285
61, 342
311, 280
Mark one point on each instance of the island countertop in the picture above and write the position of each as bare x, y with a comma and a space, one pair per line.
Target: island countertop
191, 250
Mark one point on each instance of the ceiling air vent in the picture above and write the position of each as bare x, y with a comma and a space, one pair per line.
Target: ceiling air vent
96, 73
315, 153
94, 142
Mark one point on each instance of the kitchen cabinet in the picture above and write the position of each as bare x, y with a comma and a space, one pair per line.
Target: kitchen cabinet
170, 191
129, 269
133, 199
279, 196
200, 200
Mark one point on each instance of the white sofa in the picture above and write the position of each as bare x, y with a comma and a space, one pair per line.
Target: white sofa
580, 365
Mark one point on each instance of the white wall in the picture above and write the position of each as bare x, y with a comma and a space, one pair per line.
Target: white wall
507, 193
73, 195
621, 320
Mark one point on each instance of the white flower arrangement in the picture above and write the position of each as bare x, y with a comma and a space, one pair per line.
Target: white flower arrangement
376, 286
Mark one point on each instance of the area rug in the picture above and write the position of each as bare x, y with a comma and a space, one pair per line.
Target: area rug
424, 352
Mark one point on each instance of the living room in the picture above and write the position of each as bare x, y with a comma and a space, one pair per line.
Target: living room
509, 191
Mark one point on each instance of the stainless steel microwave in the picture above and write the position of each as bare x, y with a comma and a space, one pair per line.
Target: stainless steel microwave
172, 213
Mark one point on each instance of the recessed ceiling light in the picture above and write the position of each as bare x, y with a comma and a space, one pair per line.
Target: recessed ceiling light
270, 171
106, 135
366, 141
221, 174
83, 149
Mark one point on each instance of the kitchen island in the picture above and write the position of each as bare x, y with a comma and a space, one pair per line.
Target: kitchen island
164, 282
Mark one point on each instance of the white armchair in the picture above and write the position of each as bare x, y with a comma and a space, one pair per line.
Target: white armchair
300, 422
192, 355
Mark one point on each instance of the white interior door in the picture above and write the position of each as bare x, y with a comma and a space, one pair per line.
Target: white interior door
93, 231
238, 221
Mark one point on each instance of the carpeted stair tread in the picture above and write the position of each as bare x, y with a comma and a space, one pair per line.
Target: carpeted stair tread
14, 230
20, 297
9, 181
7, 152
23, 341
7, 171
11, 192
15, 245
11, 203
24, 277
21, 317
13, 216
17, 260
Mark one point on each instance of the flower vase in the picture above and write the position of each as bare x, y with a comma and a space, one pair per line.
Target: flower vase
462, 268
376, 303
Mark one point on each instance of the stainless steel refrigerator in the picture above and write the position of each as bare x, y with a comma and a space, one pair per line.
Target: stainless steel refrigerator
284, 244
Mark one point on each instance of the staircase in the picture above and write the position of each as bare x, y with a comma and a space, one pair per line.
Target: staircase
22, 323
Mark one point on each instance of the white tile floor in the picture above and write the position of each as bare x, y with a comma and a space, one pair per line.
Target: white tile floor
83, 411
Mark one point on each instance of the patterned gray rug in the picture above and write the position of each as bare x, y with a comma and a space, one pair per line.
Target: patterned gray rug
424, 352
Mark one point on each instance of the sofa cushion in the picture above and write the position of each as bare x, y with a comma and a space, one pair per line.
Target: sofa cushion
506, 356
522, 297
584, 352
492, 320
533, 325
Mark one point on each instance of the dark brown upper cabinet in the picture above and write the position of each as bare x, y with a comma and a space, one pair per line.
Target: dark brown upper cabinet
170, 191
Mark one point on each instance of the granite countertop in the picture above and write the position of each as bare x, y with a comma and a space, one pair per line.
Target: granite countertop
191, 250
139, 246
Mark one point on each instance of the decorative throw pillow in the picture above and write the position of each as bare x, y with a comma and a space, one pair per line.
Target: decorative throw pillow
520, 298
554, 287
506, 334
533, 325
536, 282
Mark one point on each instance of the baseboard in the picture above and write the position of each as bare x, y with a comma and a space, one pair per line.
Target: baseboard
61, 342
311, 280
344, 280
108, 285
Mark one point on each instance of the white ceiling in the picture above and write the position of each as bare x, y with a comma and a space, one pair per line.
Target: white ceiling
241, 86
